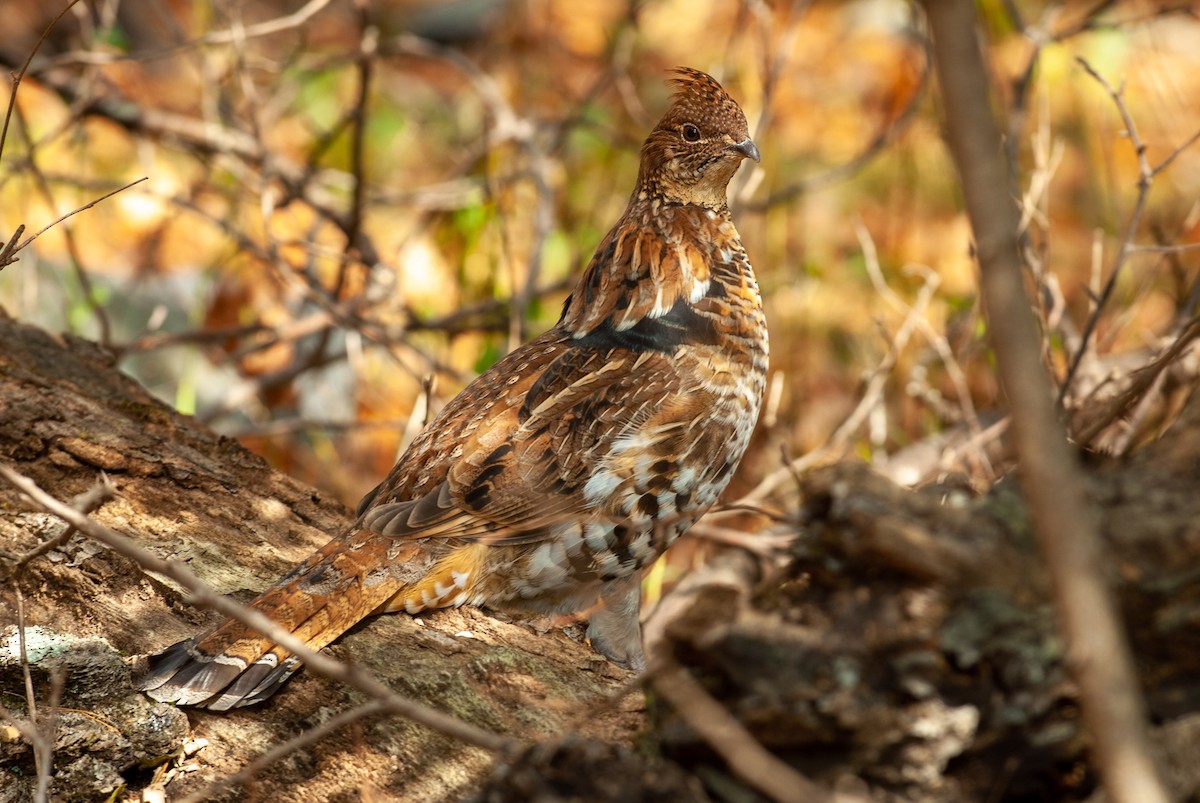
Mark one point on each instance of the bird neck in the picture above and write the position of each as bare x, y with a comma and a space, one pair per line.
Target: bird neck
656, 186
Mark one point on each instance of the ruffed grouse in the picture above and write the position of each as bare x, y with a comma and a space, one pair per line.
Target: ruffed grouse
556, 476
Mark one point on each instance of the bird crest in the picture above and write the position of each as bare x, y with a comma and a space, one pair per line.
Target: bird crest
698, 95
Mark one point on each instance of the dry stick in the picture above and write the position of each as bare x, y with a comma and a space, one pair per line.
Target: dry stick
85, 503
16, 78
1146, 175
327, 315
277, 25
39, 735
43, 748
870, 397
85, 282
213, 138
236, 34
1144, 379
285, 749
1097, 654
81, 275
41, 792
307, 358
505, 125
741, 751
1034, 204
676, 622
873, 394
77, 210
357, 247
932, 336
352, 225
40, 738
368, 49
203, 595
10, 248
1039, 35
1137, 414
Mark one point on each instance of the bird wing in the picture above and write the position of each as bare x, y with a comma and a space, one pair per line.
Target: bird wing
512, 455
524, 469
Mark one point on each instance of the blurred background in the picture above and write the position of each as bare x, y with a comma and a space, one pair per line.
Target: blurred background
352, 208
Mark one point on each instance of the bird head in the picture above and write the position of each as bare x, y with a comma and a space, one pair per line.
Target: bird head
697, 146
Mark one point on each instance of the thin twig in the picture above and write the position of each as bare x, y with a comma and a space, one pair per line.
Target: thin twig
10, 248
238, 33
284, 749
77, 210
43, 746
1146, 175
1165, 163
48, 725
277, 25
20, 74
1144, 379
41, 739
916, 313
87, 502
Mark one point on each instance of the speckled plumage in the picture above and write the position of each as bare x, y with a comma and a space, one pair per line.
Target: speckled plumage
554, 478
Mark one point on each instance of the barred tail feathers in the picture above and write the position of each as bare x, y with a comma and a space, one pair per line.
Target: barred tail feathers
233, 665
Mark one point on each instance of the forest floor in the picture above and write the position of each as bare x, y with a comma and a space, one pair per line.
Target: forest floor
900, 647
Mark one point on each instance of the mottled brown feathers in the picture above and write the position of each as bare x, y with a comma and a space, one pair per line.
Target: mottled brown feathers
557, 475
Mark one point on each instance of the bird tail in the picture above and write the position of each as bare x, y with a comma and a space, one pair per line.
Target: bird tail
233, 665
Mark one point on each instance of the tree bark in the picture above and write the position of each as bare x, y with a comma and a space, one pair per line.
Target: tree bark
187, 494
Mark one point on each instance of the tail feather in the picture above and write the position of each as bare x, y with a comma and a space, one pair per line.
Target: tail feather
233, 665
183, 675
256, 683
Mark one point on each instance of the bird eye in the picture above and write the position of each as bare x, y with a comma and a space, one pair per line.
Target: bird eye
691, 133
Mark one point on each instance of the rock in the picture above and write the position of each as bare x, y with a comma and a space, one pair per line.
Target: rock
102, 727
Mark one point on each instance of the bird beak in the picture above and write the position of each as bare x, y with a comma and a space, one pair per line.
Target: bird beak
748, 149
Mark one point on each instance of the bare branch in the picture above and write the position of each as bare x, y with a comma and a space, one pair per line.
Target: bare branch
10, 248
277, 25
1146, 175
42, 727
1098, 655
20, 74
233, 35
1144, 380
